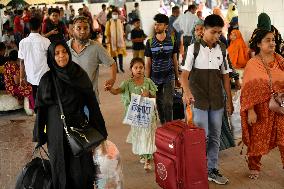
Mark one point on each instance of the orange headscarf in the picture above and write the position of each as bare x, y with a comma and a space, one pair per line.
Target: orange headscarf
238, 51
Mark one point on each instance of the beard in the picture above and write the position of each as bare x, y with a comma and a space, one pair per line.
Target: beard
159, 31
81, 40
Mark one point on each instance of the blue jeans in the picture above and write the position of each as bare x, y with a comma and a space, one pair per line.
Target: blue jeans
211, 121
164, 98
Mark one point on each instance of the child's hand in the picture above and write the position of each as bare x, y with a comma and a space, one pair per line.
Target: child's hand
109, 84
145, 93
107, 87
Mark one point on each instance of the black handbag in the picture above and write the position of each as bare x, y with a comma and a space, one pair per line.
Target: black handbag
82, 137
36, 174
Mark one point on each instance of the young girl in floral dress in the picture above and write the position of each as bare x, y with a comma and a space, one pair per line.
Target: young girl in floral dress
141, 138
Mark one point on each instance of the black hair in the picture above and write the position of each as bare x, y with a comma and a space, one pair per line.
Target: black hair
136, 4
10, 29
53, 10
2, 46
175, 8
135, 60
71, 21
192, 7
115, 10
135, 20
213, 20
161, 18
35, 23
19, 12
13, 55
256, 38
103, 5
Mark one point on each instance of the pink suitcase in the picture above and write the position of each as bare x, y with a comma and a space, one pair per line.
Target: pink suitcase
180, 159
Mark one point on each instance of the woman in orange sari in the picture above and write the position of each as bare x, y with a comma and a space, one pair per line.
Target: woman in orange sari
263, 129
238, 50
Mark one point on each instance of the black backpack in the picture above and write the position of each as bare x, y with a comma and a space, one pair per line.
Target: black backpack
36, 175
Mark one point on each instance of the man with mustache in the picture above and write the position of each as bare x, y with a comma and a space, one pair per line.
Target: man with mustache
89, 54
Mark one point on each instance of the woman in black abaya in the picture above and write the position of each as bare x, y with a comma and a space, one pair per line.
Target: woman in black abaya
76, 91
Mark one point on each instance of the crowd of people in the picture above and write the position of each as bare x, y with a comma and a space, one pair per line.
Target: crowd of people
201, 55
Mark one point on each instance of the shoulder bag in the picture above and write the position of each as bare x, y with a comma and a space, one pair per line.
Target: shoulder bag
81, 138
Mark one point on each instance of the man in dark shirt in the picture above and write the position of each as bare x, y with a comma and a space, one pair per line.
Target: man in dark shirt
137, 38
162, 66
54, 29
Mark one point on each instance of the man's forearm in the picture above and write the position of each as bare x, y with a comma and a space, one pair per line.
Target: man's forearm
176, 66
185, 82
148, 67
113, 71
22, 70
227, 86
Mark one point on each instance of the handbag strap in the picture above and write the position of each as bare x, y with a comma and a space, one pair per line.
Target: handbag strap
62, 116
269, 74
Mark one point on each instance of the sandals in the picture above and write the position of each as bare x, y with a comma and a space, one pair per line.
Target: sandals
254, 174
147, 166
142, 160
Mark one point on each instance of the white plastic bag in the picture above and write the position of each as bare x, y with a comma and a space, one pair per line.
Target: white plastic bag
140, 110
235, 117
108, 166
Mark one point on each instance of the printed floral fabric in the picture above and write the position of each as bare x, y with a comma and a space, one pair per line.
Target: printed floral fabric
11, 70
268, 131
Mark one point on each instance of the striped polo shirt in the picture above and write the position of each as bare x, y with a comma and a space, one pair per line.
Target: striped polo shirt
161, 54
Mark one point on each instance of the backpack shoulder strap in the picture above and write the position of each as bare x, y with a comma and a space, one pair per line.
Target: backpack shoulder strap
173, 39
196, 49
150, 41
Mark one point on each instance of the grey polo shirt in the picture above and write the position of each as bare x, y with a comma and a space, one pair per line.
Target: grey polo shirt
89, 59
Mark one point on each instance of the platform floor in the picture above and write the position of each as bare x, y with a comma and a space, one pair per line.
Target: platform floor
16, 146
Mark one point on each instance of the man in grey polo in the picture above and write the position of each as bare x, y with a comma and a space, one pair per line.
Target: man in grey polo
89, 54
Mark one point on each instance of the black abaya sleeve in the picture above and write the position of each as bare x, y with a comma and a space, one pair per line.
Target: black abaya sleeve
39, 135
42, 101
95, 116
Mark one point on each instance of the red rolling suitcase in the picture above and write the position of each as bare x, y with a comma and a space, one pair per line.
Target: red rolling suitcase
180, 159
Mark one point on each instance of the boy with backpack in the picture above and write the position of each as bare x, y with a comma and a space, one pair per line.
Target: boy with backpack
137, 38
202, 86
162, 66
